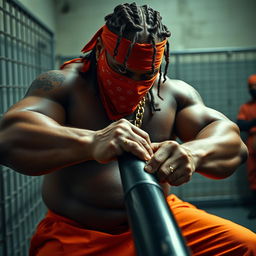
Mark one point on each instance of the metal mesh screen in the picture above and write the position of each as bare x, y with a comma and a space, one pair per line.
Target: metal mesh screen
26, 50
221, 79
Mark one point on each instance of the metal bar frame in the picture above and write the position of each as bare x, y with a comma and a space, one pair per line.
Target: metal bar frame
21, 60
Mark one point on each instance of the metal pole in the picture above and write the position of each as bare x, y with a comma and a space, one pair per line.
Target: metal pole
153, 225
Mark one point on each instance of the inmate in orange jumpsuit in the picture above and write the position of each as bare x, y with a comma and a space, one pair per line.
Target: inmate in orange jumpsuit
206, 235
248, 112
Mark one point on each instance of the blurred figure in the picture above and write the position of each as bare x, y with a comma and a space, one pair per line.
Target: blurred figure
246, 121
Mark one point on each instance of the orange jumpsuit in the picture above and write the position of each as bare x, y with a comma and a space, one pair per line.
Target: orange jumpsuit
206, 235
248, 112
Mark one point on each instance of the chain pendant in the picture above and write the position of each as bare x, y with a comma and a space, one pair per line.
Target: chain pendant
140, 112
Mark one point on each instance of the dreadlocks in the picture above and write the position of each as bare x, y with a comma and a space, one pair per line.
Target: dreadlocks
127, 20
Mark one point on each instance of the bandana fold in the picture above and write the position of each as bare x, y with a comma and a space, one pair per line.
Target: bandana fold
141, 54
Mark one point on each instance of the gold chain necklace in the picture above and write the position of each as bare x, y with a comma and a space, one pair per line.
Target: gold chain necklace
140, 112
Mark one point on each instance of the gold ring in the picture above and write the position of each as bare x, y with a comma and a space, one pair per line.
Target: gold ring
171, 169
125, 141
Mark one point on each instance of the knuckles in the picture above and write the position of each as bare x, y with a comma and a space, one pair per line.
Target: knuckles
122, 123
120, 127
118, 131
156, 161
174, 145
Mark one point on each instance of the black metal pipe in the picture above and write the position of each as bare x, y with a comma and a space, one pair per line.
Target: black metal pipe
153, 225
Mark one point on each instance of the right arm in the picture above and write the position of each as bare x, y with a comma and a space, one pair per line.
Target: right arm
34, 139
34, 144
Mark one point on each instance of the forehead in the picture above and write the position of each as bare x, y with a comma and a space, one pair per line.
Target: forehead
114, 63
134, 55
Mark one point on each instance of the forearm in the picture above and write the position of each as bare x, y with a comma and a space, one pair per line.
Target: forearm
34, 144
218, 149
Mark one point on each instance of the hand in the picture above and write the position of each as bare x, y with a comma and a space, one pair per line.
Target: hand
118, 137
172, 163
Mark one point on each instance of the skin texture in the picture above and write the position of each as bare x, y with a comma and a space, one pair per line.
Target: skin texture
60, 130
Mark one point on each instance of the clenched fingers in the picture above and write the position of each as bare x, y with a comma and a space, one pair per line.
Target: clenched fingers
163, 152
118, 137
135, 147
172, 163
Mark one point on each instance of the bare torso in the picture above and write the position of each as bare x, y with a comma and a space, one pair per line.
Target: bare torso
91, 193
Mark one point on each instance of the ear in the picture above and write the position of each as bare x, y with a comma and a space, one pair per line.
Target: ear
98, 48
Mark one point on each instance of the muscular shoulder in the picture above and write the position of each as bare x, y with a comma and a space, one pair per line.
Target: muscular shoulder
53, 84
183, 93
47, 82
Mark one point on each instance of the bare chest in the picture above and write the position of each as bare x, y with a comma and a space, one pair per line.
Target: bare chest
86, 111
90, 186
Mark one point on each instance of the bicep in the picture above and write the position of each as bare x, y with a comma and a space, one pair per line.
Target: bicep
34, 110
44, 98
192, 119
192, 115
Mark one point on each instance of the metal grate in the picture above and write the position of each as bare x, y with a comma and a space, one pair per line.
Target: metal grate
26, 50
220, 76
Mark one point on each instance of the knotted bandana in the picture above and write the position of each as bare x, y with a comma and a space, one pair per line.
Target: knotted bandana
120, 94
141, 54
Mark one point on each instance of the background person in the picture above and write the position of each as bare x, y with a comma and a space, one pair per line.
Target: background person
246, 121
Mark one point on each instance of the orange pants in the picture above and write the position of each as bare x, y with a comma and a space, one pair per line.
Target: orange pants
206, 235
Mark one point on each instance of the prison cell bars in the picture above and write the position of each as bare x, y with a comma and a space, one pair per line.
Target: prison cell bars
26, 50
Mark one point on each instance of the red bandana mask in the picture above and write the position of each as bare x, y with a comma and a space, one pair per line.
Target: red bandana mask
120, 95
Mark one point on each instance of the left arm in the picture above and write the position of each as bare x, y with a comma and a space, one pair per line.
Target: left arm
212, 144
216, 147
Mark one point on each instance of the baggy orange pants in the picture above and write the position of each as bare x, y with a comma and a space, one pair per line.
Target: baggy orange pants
206, 235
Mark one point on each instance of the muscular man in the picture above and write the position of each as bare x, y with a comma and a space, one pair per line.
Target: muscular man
246, 121
74, 122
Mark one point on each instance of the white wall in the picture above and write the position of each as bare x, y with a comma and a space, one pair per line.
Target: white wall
193, 23
44, 10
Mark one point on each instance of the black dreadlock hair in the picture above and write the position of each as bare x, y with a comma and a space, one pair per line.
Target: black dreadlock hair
126, 21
